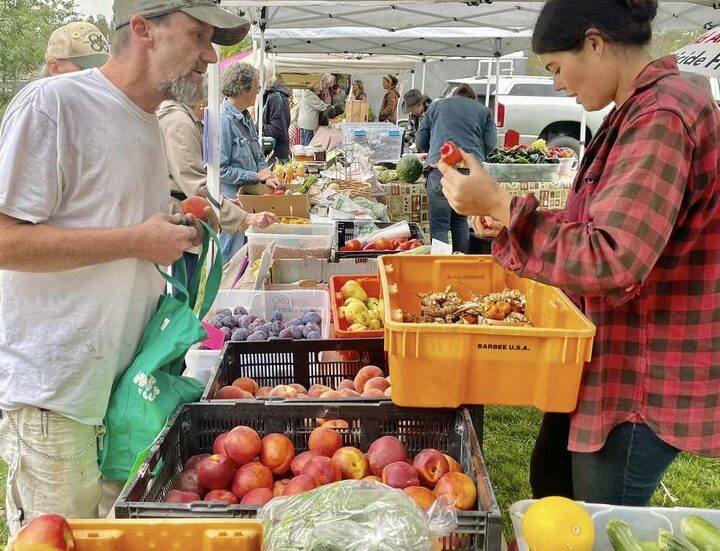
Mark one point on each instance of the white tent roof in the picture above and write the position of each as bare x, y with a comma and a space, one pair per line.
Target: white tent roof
403, 14
340, 63
424, 42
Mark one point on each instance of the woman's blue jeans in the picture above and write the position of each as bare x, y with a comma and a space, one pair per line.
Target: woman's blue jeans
443, 218
230, 243
306, 136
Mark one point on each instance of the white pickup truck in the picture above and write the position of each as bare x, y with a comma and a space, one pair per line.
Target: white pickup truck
530, 106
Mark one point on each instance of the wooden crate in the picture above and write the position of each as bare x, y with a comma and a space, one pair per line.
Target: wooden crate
356, 111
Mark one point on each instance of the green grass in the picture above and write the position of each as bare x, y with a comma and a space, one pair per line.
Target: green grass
510, 433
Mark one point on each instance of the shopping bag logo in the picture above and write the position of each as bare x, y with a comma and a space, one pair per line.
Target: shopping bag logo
146, 386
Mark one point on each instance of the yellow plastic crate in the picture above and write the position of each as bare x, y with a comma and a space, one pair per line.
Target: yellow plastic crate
436, 365
166, 535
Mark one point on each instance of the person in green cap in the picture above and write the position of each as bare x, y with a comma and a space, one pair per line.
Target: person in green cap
74, 47
84, 216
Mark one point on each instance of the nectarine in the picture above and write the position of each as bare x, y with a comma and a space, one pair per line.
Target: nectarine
277, 453
352, 463
326, 441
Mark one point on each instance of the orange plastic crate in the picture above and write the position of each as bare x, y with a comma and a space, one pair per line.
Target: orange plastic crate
371, 285
166, 534
436, 365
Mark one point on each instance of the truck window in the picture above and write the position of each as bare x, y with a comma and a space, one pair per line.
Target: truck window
534, 89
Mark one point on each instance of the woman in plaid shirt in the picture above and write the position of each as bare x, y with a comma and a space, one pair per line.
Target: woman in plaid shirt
637, 246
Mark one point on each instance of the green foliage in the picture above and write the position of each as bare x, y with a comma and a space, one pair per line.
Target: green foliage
228, 51
25, 26
103, 25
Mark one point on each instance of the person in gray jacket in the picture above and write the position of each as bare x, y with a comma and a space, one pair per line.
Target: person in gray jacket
470, 125
311, 106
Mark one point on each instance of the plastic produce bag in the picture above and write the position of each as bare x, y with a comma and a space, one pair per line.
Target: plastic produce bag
354, 515
344, 207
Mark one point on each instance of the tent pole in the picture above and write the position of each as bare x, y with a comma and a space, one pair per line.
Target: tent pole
212, 128
422, 85
497, 78
412, 78
488, 78
261, 94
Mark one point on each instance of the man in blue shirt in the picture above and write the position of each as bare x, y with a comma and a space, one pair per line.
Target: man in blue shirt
469, 124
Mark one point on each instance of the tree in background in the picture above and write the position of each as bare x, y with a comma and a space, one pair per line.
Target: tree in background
25, 27
101, 22
243, 46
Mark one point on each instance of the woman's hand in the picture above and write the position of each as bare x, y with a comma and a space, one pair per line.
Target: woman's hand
474, 194
485, 226
260, 219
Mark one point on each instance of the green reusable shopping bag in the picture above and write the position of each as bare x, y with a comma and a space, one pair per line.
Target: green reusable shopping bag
150, 390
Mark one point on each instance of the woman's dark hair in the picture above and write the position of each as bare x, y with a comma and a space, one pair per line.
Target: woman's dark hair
562, 24
465, 91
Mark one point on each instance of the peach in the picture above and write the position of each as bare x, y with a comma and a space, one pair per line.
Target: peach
349, 393
242, 444
299, 484
346, 383
283, 391
221, 495
335, 424
423, 497
192, 463
45, 533
431, 465
331, 395
459, 488
279, 487
352, 463
325, 440
379, 383
388, 392
248, 384
373, 478
316, 390
400, 475
232, 393
189, 481
454, 465
322, 470
302, 397
219, 443
263, 392
365, 374
216, 472
373, 393
251, 476
388, 380
299, 462
277, 453
178, 496
258, 497
382, 452
299, 388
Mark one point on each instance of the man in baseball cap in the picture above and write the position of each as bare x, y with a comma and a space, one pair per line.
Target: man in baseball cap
228, 28
74, 47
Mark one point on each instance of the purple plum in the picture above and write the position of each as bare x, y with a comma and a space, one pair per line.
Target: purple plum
240, 311
240, 335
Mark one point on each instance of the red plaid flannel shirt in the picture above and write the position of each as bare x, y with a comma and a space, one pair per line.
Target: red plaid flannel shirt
638, 247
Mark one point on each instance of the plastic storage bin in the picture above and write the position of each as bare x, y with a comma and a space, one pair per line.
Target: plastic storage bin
185, 534
437, 365
350, 229
201, 364
272, 363
643, 521
291, 303
371, 285
384, 139
523, 173
292, 240
193, 428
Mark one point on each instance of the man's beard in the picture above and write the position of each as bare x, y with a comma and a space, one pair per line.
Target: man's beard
184, 89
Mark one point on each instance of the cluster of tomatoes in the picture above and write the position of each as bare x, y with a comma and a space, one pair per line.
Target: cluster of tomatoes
382, 244
560, 152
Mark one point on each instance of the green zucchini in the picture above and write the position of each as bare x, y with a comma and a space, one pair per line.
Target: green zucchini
620, 536
670, 542
701, 533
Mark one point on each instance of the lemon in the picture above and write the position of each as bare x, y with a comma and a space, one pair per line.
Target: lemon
558, 524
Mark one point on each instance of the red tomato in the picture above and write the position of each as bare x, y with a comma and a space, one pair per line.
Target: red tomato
450, 154
354, 245
404, 246
278, 192
383, 244
195, 205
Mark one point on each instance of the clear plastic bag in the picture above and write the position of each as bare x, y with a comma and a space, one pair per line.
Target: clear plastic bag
354, 515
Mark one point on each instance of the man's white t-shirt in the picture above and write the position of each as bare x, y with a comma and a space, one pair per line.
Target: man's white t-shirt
76, 152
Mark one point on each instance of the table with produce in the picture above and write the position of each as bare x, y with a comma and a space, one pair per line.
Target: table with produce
345, 370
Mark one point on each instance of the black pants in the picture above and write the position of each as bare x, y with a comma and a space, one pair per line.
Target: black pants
551, 462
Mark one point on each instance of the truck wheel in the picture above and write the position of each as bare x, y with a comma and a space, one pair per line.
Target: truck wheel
565, 141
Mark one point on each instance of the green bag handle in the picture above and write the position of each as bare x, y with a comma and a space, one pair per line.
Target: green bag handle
212, 284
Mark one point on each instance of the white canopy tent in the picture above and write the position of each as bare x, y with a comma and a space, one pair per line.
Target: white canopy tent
339, 63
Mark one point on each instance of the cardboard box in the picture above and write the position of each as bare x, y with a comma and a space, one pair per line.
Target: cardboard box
356, 110
282, 205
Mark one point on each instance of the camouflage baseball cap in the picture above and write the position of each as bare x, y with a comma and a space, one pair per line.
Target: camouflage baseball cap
79, 42
229, 28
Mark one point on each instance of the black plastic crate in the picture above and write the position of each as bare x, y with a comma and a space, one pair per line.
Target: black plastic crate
194, 427
347, 230
284, 361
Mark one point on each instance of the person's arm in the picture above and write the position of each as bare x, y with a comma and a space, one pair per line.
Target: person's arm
230, 174
183, 150
316, 104
27, 247
489, 133
631, 218
387, 107
422, 137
